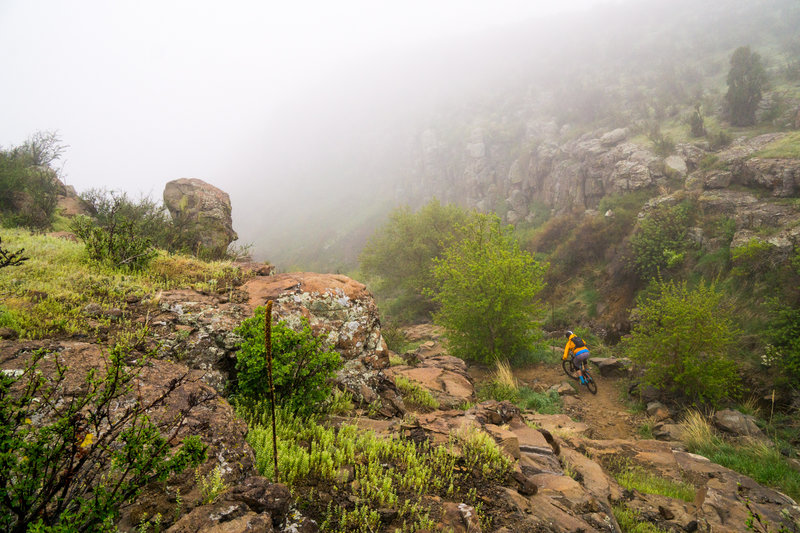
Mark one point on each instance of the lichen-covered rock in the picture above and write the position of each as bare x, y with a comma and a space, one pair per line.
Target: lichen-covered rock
203, 212
335, 306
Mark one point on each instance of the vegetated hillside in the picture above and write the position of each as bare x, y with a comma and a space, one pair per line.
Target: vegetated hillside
644, 66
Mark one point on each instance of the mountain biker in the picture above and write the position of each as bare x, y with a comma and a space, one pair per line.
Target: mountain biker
581, 353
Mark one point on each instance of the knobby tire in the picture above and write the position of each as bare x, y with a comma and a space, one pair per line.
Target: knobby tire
590, 383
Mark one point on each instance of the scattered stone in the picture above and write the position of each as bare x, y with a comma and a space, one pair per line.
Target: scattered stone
614, 137
668, 432
92, 310
658, 411
677, 164
8, 334
563, 388
737, 423
611, 366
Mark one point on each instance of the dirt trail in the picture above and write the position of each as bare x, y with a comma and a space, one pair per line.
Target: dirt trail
604, 412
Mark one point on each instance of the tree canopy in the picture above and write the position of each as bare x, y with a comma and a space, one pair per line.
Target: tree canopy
746, 81
399, 256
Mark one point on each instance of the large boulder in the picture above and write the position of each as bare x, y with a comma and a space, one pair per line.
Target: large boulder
335, 306
203, 213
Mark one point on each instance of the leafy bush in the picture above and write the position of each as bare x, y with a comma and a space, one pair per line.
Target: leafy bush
28, 185
301, 366
663, 145
400, 254
487, 289
70, 458
783, 333
752, 259
682, 338
118, 243
660, 240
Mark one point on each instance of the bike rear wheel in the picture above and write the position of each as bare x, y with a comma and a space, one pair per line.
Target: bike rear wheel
569, 368
590, 383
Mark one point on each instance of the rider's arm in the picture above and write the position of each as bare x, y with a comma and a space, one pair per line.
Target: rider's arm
566, 349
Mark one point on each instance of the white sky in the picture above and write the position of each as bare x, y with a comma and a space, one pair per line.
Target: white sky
144, 92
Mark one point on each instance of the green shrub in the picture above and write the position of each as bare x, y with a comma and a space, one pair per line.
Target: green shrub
302, 367
635, 477
631, 522
28, 185
487, 290
547, 403
660, 240
682, 338
117, 244
414, 395
71, 457
783, 332
367, 472
754, 258
399, 256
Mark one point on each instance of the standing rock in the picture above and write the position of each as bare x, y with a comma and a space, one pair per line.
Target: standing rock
202, 213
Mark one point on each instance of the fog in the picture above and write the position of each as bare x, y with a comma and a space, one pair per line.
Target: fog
304, 112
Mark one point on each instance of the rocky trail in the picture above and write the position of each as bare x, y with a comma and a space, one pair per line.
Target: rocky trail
605, 413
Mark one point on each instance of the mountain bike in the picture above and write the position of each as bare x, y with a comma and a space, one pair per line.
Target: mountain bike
572, 371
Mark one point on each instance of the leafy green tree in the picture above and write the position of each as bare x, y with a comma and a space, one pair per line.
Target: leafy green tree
746, 81
400, 254
29, 185
487, 289
302, 367
71, 456
683, 338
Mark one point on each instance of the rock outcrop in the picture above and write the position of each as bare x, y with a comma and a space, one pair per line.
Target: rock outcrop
202, 212
335, 306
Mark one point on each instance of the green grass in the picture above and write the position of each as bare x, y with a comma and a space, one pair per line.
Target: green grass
633, 477
541, 402
631, 522
759, 460
45, 296
414, 395
523, 397
787, 147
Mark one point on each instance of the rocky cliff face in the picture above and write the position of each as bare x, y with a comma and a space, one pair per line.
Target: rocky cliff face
576, 174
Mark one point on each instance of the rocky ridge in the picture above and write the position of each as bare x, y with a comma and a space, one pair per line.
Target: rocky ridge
562, 478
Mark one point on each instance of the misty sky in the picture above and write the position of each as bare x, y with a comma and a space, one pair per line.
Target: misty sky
148, 91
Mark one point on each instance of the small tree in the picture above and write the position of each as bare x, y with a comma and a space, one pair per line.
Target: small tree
487, 289
746, 81
400, 255
9, 258
301, 367
71, 456
683, 338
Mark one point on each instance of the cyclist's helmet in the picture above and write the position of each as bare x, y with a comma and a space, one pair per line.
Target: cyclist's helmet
569, 334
